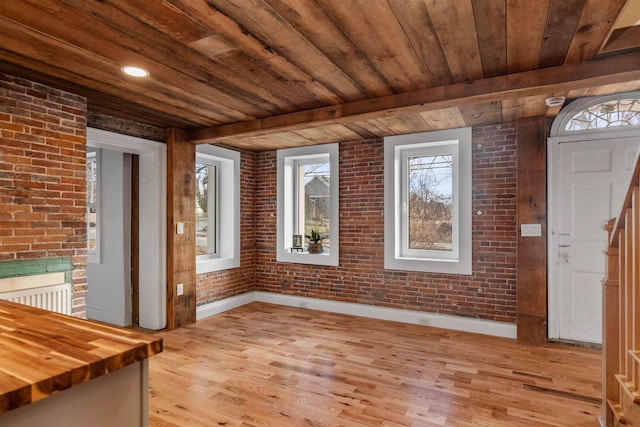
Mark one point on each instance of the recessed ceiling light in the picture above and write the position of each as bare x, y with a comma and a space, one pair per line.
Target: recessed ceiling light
134, 71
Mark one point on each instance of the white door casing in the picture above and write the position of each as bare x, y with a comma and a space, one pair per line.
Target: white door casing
152, 234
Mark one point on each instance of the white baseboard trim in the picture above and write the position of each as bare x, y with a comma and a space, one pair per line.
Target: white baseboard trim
220, 306
466, 324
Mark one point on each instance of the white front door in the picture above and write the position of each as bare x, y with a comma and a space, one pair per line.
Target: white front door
590, 185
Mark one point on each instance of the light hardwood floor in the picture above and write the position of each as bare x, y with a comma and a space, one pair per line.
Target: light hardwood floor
268, 365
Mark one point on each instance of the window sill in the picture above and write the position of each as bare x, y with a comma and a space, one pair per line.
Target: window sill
305, 257
216, 264
430, 265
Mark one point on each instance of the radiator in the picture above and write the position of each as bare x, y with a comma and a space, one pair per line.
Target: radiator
54, 297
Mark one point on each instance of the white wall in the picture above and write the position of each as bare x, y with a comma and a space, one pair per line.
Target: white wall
109, 282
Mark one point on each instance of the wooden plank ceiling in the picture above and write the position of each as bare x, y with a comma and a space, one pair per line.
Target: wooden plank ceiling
266, 74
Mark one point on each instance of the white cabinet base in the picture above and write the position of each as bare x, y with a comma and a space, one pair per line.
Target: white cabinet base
120, 398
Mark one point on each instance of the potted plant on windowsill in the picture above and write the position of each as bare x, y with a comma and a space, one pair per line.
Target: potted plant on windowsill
315, 242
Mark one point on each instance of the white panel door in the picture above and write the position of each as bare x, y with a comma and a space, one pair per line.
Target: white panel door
593, 178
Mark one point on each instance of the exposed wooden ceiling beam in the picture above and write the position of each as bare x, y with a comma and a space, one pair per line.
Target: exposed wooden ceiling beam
552, 80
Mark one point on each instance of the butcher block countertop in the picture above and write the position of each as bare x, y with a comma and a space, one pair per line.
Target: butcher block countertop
42, 352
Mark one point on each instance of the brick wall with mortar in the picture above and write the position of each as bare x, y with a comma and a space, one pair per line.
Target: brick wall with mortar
227, 283
489, 293
42, 177
42, 192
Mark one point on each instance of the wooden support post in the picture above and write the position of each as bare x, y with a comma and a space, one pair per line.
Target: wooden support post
532, 209
181, 248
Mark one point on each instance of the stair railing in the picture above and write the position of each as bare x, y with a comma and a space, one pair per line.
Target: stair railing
621, 312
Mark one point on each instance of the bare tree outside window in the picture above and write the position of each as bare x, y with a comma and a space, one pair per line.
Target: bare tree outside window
316, 200
92, 199
430, 202
205, 209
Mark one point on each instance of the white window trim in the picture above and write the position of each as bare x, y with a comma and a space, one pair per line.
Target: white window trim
285, 201
93, 256
228, 255
393, 255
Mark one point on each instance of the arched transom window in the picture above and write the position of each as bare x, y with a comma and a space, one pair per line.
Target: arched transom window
622, 112
617, 112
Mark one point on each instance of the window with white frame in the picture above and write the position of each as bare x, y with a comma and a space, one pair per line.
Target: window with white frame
93, 205
217, 192
307, 196
428, 201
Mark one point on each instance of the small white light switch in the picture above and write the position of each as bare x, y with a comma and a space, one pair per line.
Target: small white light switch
179, 227
531, 230
179, 289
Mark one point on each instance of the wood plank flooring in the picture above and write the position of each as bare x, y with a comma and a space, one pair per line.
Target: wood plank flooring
269, 365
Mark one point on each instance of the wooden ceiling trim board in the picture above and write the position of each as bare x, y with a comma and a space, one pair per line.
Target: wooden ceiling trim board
231, 34
377, 127
108, 105
315, 24
251, 144
620, 69
456, 29
202, 75
561, 26
605, 89
403, 124
126, 127
333, 133
490, 19
482, 114
623, 39
315, 135
272, 30
593, 28
166, 19
292, 139
529, 106
445, 118
361, 130
526, 22
212, 46
94, 72
421, 34
388, 51
288, 94
338, 133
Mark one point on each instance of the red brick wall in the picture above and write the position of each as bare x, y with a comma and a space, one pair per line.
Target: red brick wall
223, 284
42, 196
42, 176
489, 293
